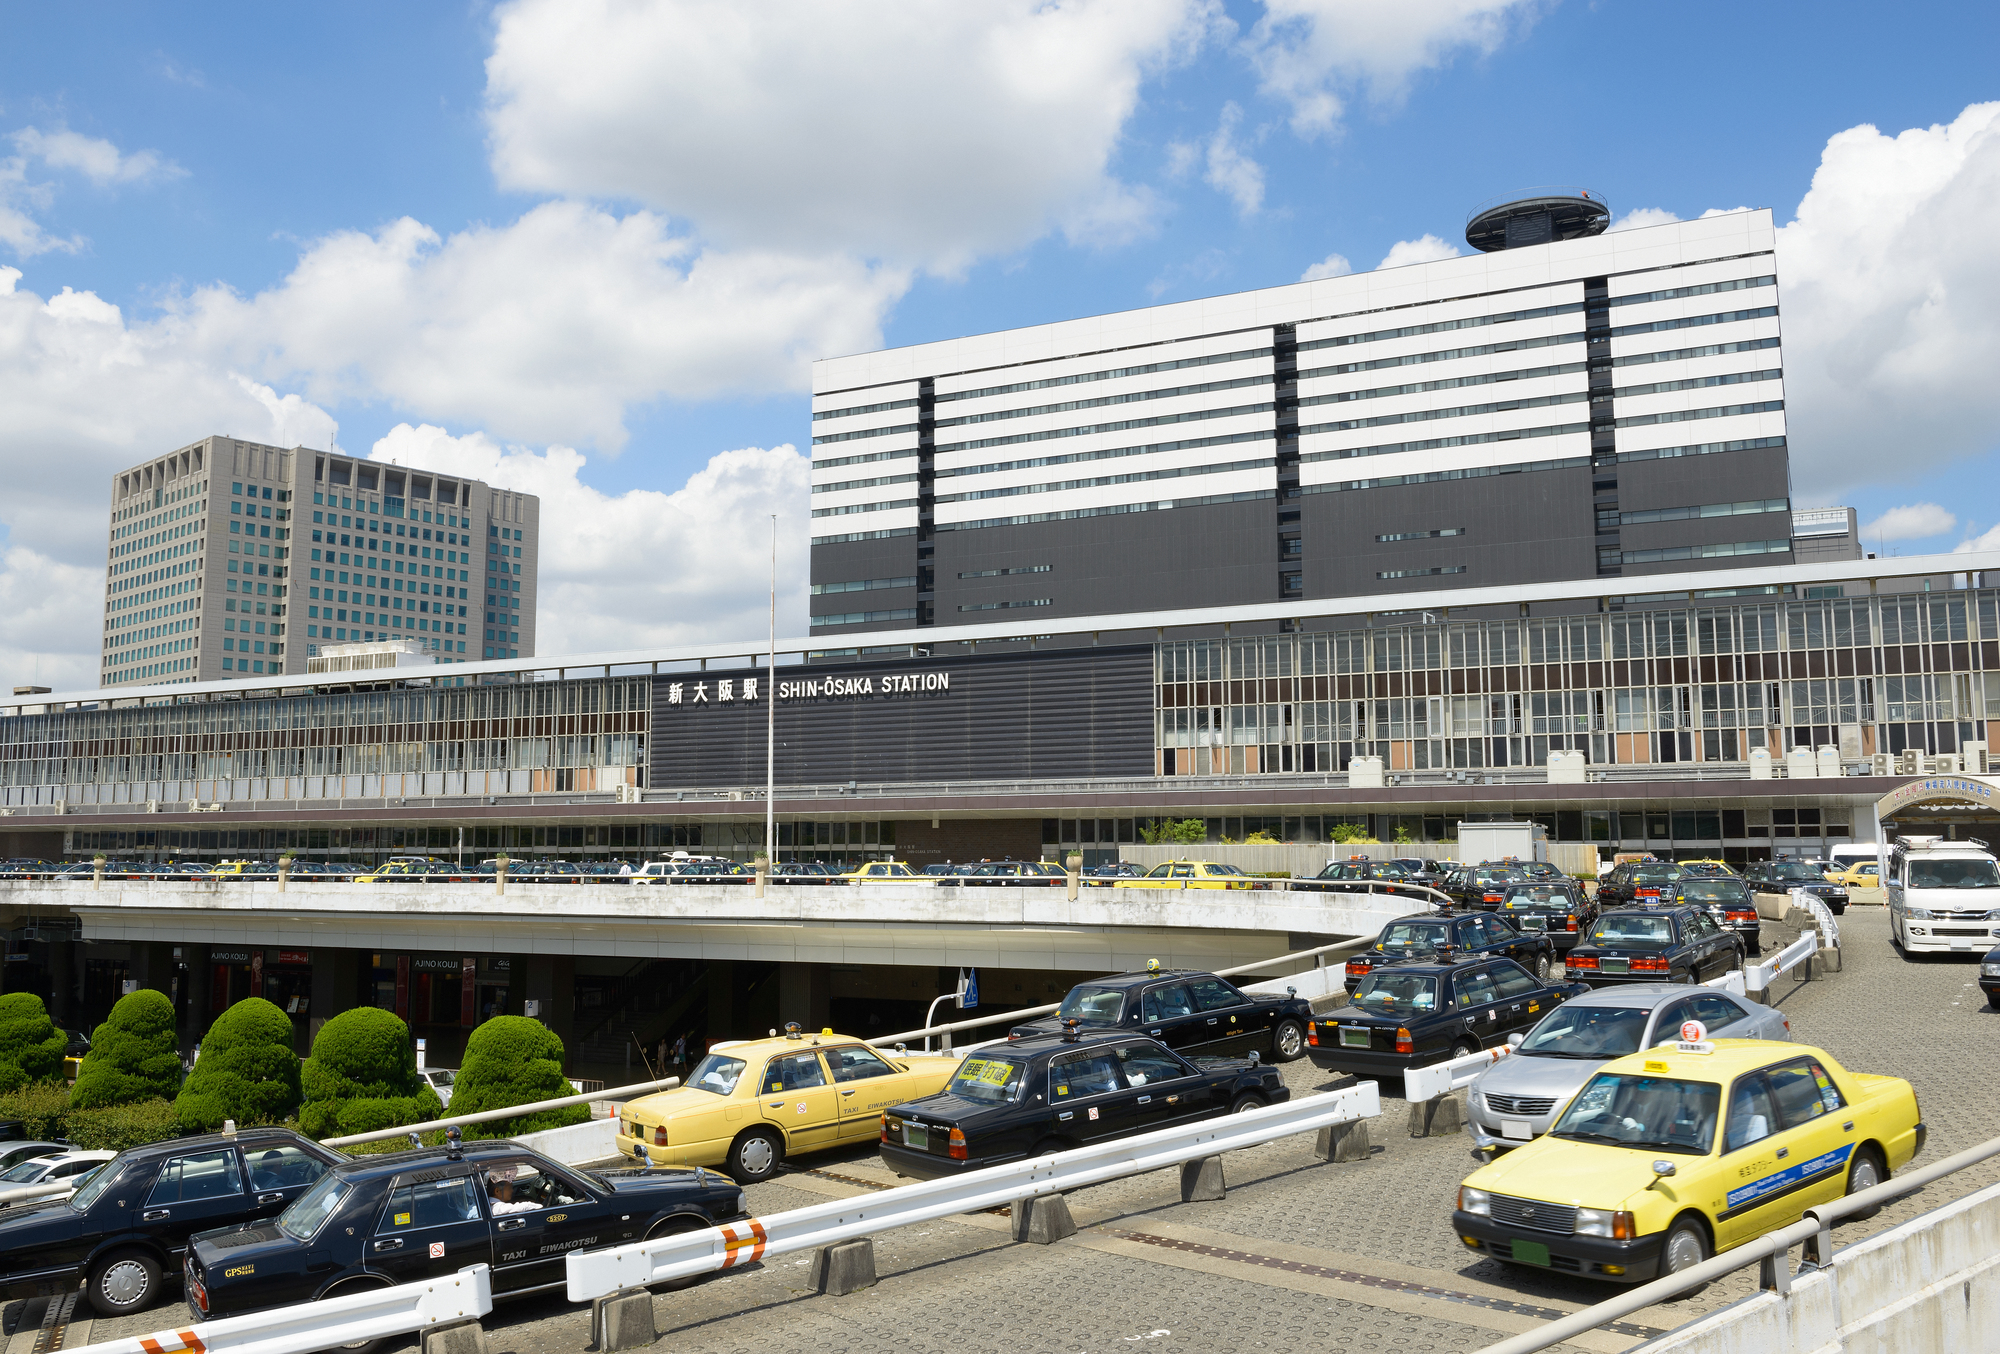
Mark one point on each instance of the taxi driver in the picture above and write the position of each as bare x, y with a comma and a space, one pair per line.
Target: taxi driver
500, 1193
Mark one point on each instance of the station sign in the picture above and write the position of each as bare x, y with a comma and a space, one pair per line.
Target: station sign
738, 690
1936, 789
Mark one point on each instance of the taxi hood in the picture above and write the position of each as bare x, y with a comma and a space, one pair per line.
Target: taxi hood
1587, 1174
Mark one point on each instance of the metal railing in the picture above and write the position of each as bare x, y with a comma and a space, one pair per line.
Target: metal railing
1772, 1251
596, 1274
511, 1112
1759, 977
328, 1323
1428, 1083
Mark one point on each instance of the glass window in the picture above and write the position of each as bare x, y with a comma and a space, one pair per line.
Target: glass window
1166, 1003
794, 1072
1953, 874
432, 1203
1752, 1117
1082, 1074
28, 1172
989, 1081
716, 1074
282, 1167
311, 1210
1716, 1011
1212, 994
1578, 1031
1093, 1005
203, 1175
1474, 988
1422, 935
1802, 1091
1146, 1064
522, 1187
1511, 980
1632, 929
856, 1064
1644, 1112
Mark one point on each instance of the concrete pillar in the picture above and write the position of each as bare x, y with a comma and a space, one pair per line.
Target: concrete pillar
1042, 1220
552, 982
152, 965
722, 996
62, 981
844, 1268
804, 993
1202, 1182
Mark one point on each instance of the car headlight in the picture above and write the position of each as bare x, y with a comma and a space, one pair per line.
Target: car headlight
1477, 1098
1476, 1201
1593, 1222
1920, 914
1989, 970
1994, 915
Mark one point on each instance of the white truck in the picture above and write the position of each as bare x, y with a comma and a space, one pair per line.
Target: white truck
1481, 842
1944, 896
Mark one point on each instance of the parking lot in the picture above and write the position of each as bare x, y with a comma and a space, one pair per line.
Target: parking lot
1356, 1256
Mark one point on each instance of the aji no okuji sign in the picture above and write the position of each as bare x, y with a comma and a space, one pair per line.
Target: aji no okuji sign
734, 690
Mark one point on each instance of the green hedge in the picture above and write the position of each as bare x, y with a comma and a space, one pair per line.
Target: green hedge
41, 1107
362, 1076
512, 1060
31, 1047
133, 1056
247, 1070
117, 1127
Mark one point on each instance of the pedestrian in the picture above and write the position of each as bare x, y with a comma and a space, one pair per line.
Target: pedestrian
624, 867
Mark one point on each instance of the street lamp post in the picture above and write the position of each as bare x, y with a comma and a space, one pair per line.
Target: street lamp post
771, 718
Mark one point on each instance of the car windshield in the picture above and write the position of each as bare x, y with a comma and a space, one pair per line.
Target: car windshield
1407, 935
442, 1076
1414, 866
716, 1074
1792, 869
1656, 874
1541, 895
1657, 1113
1633, 930
29, 1170
991, 1081
1578, 1031
310, 1210
1954, 874
1394, 993
92, 1186
1483, 878
1093, 1005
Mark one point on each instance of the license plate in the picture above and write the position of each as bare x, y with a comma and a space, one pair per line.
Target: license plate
1354, 1038
1960, 943
1531, 1253
917, 1136
1535, 921
1517, 1129
1615, 966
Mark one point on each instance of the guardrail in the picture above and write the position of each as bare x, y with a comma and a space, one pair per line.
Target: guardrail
512, 1111
1428, 1083
596, 1274
1759, 977
1822, 915
1771, 1251
326, 1324
20, 1194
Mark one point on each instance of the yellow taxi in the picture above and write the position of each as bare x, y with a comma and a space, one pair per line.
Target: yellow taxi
1190, 874
1865, 875
749, 1105
232, 868
1670, 1155
876, 871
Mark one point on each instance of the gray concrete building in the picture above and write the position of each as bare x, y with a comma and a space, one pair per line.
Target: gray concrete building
229, 558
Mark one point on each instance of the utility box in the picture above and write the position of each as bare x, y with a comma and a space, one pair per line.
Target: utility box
1479, 842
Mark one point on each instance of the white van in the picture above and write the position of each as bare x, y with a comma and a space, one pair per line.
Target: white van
1847, 855
1944, 897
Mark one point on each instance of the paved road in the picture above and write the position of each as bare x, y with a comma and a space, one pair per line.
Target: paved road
1358, 1256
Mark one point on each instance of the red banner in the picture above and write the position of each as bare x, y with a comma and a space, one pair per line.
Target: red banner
468, 991
402, 987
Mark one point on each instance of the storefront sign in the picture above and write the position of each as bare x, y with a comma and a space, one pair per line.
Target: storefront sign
295, 956
429, 964
229, 956
1943, 789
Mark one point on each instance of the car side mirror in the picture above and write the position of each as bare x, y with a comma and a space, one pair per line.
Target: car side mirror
1662, 1169
1516, 1040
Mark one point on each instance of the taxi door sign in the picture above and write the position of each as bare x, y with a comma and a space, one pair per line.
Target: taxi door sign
437, 1250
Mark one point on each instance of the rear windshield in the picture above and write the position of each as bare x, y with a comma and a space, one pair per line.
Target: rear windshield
1414, 935
1541, 895
1395, 993
1792, 869
1576, 1031
991, 1081
1224, 869
1641, 931
1093, 1005
1711, 890
1483, 876
1656, 874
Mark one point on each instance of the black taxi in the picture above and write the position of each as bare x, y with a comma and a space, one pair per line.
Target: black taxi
1478, 885
408, 1216
1556, 908
1189, 1010
1393, 877
1425, 934
128, 1223
1052, 1092
1674, 944
1423, 1011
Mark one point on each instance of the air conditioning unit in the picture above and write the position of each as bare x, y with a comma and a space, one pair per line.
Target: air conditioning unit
1945, 764
152, 806
736, 794
1910, 762
628, 794
1882, 764
194, 806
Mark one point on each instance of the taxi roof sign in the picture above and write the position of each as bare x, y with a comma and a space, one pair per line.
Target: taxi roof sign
1694, 1038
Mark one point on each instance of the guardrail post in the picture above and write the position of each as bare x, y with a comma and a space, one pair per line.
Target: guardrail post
1438, 1118
842, 1269
1202, 1182
1044, 1219
96, 873
621, 1320
460, 1337
500, 874
1344, 1142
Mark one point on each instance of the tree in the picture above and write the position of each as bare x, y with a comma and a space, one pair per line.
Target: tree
1349, 832
1261, 838
1174, 831
31, 1047
133, 1056
512, 1060
247, 1070
362, 1076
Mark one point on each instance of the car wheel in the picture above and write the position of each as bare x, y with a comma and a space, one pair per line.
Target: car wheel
1050, 1146
342, 1290
1247, 1102
124, 1282
1686, 1246
1866, 1172
754, 1157
1464, 1048
1289, 1043
1542, 969
678, 1225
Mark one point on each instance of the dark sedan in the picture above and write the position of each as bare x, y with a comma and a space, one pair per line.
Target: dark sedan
1637, 881
1680, 944
129, 1222
1729, 902
1782, 876
410, 1216
1479, 885
1368, 876
1560, 911
1989, 977
1056, 1092
1190, 1011
1425, 1011
1466, 932
1012, 874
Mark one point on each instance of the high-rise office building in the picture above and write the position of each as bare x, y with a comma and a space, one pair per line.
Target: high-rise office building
234, 559
1560, 403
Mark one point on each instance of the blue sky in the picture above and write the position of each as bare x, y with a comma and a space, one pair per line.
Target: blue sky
245, 225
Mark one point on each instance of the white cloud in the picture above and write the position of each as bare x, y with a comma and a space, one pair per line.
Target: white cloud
1333, 265
1231, 172
705, 547
96, 159
1640, 217
1911, 522
19, 199
924, 133
1423, 249
1312, 53
1891, 294
52, 612
1986, 540
544, 330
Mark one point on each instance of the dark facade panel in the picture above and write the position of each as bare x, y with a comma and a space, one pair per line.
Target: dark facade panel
1686, 481
1079, 712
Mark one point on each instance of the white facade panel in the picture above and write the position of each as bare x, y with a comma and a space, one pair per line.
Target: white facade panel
1700, 397
1441, 311
898, 489
1453, 397
1109, 495
1692, 275
1157, 420
1089, 450
1705, 336
849, 523
1514, 452
892, 393
1092, 363
1693, 432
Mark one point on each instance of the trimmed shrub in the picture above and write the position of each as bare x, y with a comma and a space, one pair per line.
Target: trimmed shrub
133, 1056
362, 1076
247, 1070
117, 1127
31, 1047
41, 1107
512, 1060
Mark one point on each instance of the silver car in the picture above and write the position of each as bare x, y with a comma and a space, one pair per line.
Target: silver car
1517, 1099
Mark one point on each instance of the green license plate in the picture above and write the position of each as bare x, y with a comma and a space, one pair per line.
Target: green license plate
1354, 1038
918, 1136
1531, 1253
